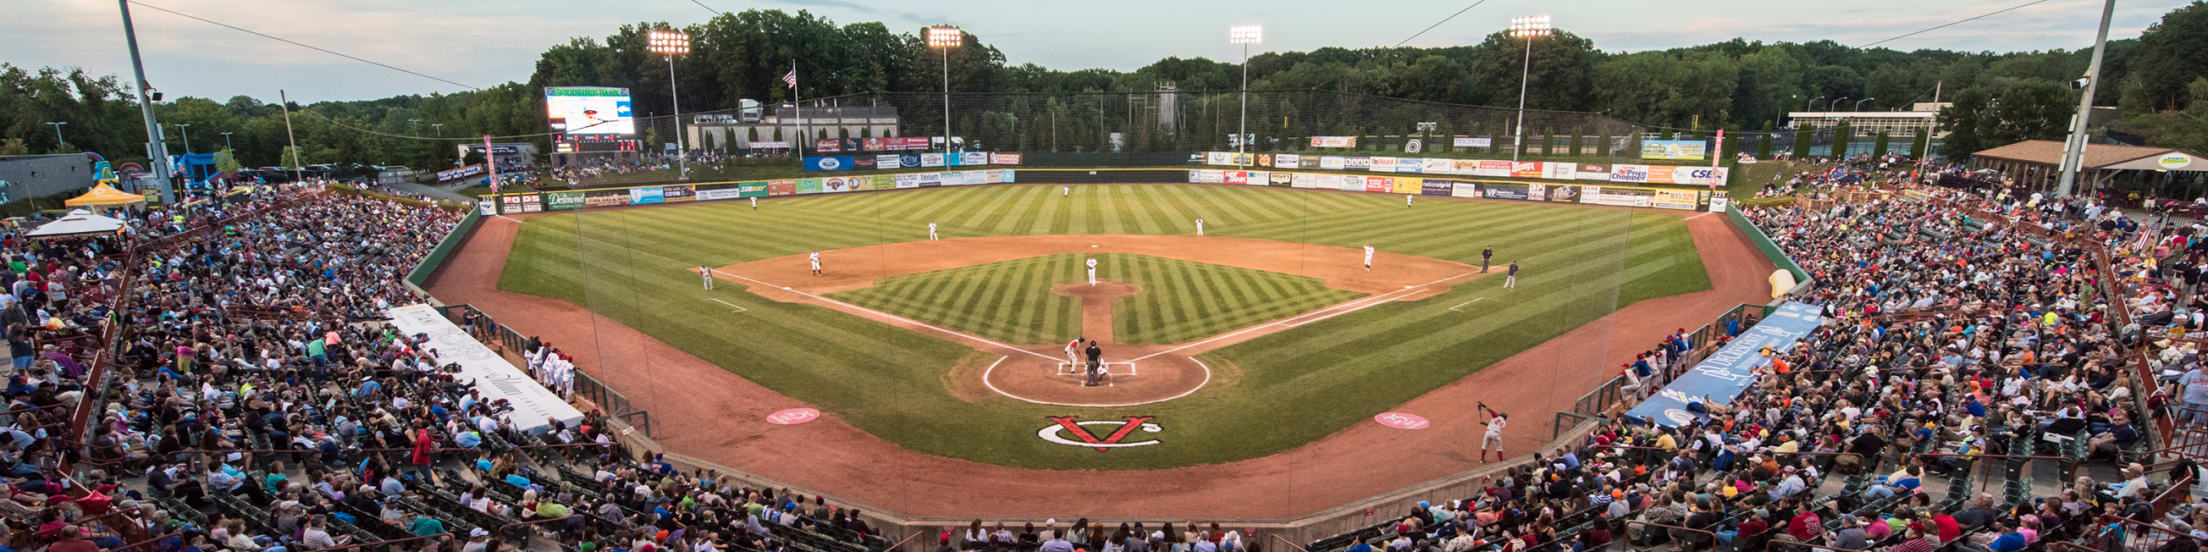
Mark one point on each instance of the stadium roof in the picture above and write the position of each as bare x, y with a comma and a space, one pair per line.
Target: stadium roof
2099, 156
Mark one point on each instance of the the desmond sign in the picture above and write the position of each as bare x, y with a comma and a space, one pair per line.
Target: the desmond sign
1721, 377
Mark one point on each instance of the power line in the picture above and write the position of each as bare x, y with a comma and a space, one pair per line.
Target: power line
304, 45
1452, 16
1956, 22
708, 8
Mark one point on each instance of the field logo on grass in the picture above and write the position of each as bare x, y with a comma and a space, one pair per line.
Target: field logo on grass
1064, 426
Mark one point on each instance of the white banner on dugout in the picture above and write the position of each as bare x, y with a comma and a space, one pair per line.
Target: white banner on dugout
535, 407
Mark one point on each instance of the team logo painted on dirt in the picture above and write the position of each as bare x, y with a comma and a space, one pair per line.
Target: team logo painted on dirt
1402, 420
1063, 427
793, 416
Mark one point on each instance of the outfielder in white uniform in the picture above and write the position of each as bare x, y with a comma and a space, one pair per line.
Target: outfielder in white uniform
755, 204
706, 276
931, 231
1066, 191
1199, 227
815, 257
1092, 271
1407, 199
1368, 257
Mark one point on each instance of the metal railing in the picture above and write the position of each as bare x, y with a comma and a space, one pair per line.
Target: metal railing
1672, 533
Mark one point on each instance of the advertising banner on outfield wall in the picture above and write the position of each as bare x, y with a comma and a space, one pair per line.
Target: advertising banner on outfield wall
1537, 192
974, 158
1495, 190
1618, 197
1008, 176
606, 198
954, 159
1472, 142
1406, 185
1237, 177
827, 145
1437, 187
907, 181
1593, 171
753, 189
1559, 171
1676, 150
531, 203
720, 194
1632, 174
889, 161
1218, 158
908, 160
1563, 193
808, 185
781, 187
828, 163
1004, 159
1464, 189
1492, 168
647, 196
1722, 376
1333, 141
1380, 184
931, 160
1280, 179
1697, 176
1525, 169
835, 184
1287, 160
1304, 180
1441, 166
1687, 200
1410, 165
1381, 164
512, 203
1357, 163
1333, 162
563, 201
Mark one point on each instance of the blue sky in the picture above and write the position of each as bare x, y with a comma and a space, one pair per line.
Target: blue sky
485, 42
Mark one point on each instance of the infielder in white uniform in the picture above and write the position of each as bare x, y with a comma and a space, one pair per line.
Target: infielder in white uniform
931, 231
1199, 228
1494, 436
1092, 271
706, 274
816, 262
1368, 257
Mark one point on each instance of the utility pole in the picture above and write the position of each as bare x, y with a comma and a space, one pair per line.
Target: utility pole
2074, 154
157, 152
296, 168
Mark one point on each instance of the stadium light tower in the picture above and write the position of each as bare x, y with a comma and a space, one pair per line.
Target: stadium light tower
1529, 28
57, 131
673, 43
1245, 35
946, 37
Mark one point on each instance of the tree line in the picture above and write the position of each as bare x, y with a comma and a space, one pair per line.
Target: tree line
2159, 81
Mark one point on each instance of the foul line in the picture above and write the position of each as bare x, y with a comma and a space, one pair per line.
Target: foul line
1460, 305
968, 336
1704, 214
731, 305
1337, 310
1191, 391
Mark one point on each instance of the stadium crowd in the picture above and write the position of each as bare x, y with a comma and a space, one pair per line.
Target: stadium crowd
255, 401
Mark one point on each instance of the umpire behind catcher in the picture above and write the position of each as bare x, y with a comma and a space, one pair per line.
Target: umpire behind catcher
1096, 365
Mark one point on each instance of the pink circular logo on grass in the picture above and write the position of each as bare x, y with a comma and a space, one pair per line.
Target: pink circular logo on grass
1400, 420
793, 416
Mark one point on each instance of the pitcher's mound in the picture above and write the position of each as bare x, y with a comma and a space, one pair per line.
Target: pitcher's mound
1129, 379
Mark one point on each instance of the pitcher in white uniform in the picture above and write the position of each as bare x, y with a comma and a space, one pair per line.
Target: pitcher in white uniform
815, 258
1092, 271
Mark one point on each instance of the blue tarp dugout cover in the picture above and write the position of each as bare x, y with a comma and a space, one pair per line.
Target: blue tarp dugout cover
1730, 370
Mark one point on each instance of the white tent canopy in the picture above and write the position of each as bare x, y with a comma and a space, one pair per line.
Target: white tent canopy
79, 223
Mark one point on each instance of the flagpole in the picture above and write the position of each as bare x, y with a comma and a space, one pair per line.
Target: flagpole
797, 102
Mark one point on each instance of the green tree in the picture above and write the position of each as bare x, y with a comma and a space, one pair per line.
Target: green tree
14, 146
1920, 144
2004, 111
751, 135
1841, 134
1764, 140
227, 161
285, 158
1878, 145
1804, 138
1579, 141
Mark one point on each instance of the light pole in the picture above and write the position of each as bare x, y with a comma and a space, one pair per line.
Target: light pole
226, 140
946, 37
2073, 153
1835, 105
1812, 103
1245, 35
1859, 103
1528, 28
186, 128
673, 43
157, 149
57, 131
440, 127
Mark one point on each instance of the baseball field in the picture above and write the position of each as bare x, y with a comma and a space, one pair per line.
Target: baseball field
1294, 341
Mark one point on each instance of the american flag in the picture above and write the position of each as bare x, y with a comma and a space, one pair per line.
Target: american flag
791, 78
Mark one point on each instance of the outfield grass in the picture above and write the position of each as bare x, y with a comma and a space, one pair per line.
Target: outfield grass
1180, 300
1581, 263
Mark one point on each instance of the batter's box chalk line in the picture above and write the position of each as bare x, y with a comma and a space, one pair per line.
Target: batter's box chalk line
1070, 369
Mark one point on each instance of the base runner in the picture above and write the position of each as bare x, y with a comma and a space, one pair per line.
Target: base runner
1092, 271
815, 257
1494, 437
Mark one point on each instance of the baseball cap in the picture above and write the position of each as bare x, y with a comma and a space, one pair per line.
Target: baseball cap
478, 532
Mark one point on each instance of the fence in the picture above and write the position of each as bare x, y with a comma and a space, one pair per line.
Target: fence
506, 340
1770, 249
1619, 390
419, 276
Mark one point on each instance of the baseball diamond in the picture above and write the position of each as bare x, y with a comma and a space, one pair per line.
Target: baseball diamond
921, 386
